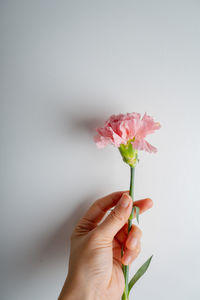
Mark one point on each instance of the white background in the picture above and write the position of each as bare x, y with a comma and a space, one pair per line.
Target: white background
66, 66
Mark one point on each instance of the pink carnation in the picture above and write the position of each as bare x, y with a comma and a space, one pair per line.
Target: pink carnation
119, 129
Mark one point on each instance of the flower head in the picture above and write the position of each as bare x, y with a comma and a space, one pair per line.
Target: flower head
124, 130
119, 129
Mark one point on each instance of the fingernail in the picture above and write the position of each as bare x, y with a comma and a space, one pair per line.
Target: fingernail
124, 201
127, 260
132, 242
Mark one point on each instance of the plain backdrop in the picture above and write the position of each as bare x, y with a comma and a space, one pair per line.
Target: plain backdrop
66, 66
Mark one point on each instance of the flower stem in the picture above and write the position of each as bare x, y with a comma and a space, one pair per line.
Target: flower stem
131, 193
125, 295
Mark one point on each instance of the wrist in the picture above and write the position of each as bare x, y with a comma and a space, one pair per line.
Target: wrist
73, 290
76, 294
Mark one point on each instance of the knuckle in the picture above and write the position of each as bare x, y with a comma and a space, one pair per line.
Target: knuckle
90, 241
115, 215
131, 246
137, 231
96, 239
95, 235
138, 249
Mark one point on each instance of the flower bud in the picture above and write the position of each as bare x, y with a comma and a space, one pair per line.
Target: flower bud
128, 153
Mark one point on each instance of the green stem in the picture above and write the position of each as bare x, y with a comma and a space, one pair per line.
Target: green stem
131, 193
126, 268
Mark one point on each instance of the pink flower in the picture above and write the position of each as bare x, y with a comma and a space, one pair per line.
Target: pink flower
119, 129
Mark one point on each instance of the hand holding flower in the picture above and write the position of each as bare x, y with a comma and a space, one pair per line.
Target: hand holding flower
101, 252
95, 259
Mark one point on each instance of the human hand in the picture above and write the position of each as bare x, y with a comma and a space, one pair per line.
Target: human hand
95, 265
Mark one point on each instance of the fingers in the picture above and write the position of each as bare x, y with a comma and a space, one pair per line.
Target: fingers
121, 236
134, 237
143, 205
99, 208
131, 241
117, 218
132, 245
130, 255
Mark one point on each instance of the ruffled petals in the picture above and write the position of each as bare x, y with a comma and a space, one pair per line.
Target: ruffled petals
141, 144
119, 129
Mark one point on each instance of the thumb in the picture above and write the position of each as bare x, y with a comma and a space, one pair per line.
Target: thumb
117, 218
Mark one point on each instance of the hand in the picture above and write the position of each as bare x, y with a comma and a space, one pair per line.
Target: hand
95, 265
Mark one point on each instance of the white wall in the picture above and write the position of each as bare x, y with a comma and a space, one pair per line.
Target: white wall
68, 65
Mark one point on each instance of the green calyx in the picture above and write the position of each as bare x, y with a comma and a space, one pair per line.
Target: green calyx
128, 153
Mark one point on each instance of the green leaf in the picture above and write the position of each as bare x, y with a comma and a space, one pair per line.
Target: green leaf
139, 274
124, 296
137, 211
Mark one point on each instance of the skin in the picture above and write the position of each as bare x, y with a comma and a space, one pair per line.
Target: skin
95, 258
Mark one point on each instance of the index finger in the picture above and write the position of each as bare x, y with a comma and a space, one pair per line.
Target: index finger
97, 211
143, 205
